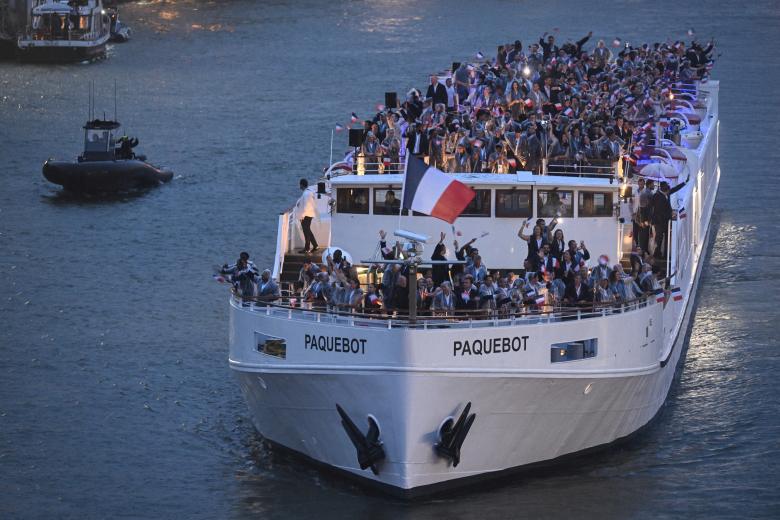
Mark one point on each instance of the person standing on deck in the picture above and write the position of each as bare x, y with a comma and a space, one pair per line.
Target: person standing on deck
662, 214
306, 210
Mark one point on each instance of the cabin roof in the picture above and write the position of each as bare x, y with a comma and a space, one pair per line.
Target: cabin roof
99, 124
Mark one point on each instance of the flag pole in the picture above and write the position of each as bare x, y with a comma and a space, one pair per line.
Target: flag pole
331, 148
403, 188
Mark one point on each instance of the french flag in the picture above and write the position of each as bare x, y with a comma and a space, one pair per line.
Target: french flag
433, 192
682, 213
539, 300
339, 128
569, 112
660, 297
354, 118
676, 294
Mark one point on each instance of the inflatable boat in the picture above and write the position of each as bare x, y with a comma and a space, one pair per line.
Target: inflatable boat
107, 165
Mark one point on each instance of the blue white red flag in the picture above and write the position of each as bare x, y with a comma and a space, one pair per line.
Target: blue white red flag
432, 192
681, 213
480, 56
659, 295
339, 128
676, 294
354, 118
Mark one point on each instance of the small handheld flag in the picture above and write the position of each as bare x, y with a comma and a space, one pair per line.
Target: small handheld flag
354, 118
616, 42
339, 128
480, 56
659, 296
681, 213
676, 294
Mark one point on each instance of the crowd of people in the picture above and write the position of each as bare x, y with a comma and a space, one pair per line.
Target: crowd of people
514, 111
555, 276
545, 101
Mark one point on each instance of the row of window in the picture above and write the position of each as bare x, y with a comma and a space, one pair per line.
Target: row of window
512, 203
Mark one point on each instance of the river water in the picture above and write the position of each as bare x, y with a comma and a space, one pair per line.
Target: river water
116, 400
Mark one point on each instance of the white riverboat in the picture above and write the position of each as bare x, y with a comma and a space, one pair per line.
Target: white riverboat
65, 31
535, 387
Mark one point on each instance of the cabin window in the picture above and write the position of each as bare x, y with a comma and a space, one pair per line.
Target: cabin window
270, 345
573, 350
555, 203
595, 204
97, 141
387, 201
514, 203
479, 205
352, 200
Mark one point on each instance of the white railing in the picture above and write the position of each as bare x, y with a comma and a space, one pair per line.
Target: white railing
477, 319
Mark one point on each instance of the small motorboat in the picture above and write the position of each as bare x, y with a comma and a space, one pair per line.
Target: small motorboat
65, 31
107, 165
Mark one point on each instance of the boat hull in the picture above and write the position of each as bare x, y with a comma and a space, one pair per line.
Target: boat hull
105, 176
61, 53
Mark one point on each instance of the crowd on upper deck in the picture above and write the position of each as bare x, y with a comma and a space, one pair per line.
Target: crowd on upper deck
549, 100
555, 275
546, 101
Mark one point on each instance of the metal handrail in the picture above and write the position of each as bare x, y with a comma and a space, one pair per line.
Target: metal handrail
572, 167
471, 318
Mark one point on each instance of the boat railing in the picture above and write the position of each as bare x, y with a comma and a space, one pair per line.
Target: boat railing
595, 168
368, 165
290, 307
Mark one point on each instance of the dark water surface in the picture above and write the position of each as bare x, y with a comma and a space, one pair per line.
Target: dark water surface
116, 399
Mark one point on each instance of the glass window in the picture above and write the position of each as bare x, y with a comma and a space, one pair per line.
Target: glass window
270, 345
555, 203
352, 200
595, 204
573, 350
514, 203
97, 141
479, 205
387, 201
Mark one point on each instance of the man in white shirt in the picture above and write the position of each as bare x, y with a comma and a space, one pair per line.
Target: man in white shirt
452, 96
306, 210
